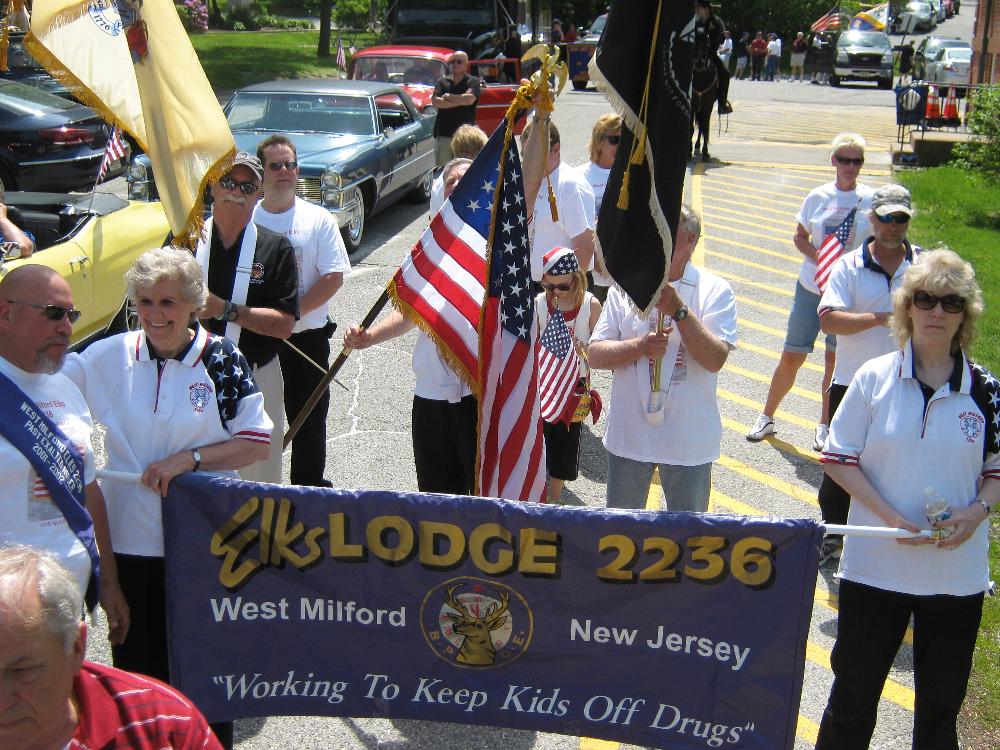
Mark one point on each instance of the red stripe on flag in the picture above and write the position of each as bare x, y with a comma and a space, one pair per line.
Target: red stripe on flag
466, 256
456, 295
441, 327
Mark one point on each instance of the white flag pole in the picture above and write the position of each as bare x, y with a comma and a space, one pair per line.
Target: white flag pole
832, 528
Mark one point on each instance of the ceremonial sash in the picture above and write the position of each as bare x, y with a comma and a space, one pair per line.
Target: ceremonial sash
58, 464
244, 264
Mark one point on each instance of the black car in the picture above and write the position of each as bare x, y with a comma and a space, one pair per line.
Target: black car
24, 68
48, 143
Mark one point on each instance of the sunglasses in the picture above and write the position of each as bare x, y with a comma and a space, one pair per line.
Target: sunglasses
247, 188
848, 160
612, 139
52, 312
950, 303
276, 166
898, 218
560, 287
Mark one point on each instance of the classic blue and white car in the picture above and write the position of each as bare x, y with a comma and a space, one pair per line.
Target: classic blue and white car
361, 145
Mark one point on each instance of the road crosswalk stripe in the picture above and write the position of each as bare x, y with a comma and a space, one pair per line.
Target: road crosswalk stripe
713, 190
771, 331
757, 406
774, 224
775, 238
762, 305
812, 367
755, 284
753, 206
751, 264
768, 183
780, 485
760, 378
773, 440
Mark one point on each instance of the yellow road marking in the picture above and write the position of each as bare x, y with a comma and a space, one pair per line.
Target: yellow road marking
750, 374
770, 199
755, 284
762, 305
821, 345
778, 414
774, 355
770, 183
782, 239
589, 743
752, 206
780, 485
788, 258
743, 215
750, 264
807, 729
773, 440
868, 171
892, 691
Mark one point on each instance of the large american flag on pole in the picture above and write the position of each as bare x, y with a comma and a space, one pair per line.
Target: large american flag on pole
558, 366
832, 248
829, 21
114, 150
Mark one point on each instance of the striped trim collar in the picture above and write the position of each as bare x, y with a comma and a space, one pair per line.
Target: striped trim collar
143, 351
961, 376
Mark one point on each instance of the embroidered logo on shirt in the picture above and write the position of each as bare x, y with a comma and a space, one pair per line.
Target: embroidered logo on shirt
257, 271
971, 424
200, 395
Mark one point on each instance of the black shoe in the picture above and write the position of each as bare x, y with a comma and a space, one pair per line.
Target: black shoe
725, 108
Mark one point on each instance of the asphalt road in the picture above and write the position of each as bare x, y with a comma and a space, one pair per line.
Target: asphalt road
770, 153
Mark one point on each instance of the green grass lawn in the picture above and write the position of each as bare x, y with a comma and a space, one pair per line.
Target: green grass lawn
962, 211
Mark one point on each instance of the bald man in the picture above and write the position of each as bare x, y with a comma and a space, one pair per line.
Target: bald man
48, 494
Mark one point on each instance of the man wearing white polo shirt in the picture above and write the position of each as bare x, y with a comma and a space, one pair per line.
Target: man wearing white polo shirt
855, 307
321, 260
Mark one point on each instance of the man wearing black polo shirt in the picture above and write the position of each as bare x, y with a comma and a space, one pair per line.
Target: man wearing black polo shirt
455, 97
253, 291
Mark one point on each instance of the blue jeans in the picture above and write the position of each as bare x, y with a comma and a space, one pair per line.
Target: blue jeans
685, 488
771, 68
803, 323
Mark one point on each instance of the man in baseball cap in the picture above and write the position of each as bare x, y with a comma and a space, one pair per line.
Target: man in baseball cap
892, 199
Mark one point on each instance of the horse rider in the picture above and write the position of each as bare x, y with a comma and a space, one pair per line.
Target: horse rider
709, 32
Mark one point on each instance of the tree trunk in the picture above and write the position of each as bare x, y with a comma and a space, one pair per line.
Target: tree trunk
324, 28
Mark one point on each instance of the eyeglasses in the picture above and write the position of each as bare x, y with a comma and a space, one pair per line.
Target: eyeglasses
276, 166
889, 218
52, 312
561, 287
612, 139
247, 188
845, 160
950, 303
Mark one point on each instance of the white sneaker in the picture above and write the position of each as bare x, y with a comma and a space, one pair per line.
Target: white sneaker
761, 429
822, 432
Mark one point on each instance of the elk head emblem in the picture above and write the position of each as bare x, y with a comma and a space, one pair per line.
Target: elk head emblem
477, 646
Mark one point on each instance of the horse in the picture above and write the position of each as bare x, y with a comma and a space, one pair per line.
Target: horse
704, 92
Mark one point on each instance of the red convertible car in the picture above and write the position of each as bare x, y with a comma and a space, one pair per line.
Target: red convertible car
417, 68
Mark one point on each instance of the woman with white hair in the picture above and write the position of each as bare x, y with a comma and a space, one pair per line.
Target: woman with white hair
919, 423
173, 399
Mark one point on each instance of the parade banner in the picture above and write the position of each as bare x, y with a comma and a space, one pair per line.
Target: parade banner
661, 629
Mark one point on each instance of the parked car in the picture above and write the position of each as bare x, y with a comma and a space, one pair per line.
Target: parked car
24, 68
91, 240
928, 48
863, 56
49, 143
939, 13
416, 68
361, 145
915, 16
951, 66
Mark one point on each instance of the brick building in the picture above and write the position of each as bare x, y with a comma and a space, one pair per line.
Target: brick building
986, 43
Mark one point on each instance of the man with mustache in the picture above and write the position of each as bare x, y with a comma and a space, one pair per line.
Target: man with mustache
253, 291
45, 423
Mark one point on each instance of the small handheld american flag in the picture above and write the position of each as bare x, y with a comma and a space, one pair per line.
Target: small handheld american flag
558, 367
341, 57
832, 248
114, 150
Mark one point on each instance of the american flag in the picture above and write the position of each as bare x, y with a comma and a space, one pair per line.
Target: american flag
832, 248
830, 21
558, 367
114, 150
341, 57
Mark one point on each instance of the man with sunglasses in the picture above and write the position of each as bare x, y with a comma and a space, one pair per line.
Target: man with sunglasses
455, 97
45, 423
253, 291
855, 306
322, 261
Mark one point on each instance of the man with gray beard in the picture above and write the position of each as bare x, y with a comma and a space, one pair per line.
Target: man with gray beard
253, 291
48, 494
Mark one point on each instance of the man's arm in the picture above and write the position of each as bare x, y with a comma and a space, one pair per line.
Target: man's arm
803, 243
263, 320
112, 599
583, 247
844, 323
320, 293
12, 233
610, 355
707, 349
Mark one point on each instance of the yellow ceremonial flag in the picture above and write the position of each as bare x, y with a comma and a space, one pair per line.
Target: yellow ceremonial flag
132, 61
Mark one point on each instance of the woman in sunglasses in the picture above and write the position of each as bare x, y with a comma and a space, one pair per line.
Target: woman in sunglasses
920, 420
565, 294
173, 399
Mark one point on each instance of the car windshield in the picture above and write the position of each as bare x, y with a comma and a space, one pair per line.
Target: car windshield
411, 70
343, 114
598, 28
875, 39
19, 99
919, 7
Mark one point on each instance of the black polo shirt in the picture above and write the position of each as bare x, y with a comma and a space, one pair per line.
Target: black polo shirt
274, 283
451, 119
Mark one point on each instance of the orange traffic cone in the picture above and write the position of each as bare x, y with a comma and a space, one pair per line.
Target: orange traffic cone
965, 107
951, 106
933, 111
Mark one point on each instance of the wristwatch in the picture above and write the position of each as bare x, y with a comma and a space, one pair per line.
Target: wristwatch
232, 311
681, 314
986, 507
196, 455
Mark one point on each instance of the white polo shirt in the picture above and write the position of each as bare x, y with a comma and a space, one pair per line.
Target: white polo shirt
597, 177
435, 380
575, 204
883, 427
28, 515
858, 284
821, 213
208, 396
319, 249
691, 432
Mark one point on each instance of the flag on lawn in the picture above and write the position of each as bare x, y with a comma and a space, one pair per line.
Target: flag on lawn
639, 213
341, 57
829, 21
114, 150
558, 368
133, 62
832, 248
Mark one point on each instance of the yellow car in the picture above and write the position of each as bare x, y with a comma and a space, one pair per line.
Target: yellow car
91, 240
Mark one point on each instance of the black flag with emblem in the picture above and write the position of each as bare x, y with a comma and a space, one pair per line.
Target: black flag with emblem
643, 65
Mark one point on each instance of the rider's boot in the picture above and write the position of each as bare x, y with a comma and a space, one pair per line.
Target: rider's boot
725, 108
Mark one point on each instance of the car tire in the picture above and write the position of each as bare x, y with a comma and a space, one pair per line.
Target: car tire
422, 192
579, 85
834, 80
354, 230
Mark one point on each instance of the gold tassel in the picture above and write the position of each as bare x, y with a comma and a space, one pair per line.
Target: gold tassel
639, 152
5, 38
623, 194
552, 200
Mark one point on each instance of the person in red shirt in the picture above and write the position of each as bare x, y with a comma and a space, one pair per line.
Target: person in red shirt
50, 698
758, 52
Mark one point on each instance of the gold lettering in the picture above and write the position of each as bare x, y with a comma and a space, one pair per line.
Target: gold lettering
480, 539
539, 552
233, 576
285, 536
449, 533
375, 537
339, 547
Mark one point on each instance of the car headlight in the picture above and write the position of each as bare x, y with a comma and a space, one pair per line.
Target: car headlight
333, 198
842, 57
138, 191
137, 173
887, 57
330, 180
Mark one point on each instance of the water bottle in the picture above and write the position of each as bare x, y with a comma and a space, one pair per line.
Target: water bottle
936, 508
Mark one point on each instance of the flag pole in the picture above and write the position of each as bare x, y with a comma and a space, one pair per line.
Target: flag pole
324, 384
